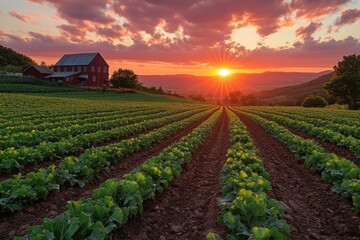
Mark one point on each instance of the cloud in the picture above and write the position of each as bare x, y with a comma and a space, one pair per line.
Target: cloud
306, 32
348, 17
315, 9
309, 53
21, 17
80, 10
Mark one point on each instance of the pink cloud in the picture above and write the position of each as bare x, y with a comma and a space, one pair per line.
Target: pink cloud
306, 32
314, 9
21, 17
348, 17
309, 53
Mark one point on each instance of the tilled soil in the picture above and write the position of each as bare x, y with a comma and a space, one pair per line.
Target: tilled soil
16, 224
329, 147
312, 210
56, 161
188, 208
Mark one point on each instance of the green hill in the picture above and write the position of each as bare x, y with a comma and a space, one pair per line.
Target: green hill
11, 60
294, 95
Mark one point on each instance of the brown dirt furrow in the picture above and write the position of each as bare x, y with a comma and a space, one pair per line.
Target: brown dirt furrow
312, 210
188, 208
16, 224
56, 161
329, 147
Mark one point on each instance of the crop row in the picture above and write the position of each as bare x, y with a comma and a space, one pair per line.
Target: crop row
321, 132
333, 116
347, 130
247, 210
39, 119
116, 201
16, 192
35, 137
342, 173
15, 159
48, 123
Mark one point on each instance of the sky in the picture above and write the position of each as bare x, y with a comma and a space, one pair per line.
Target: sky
188, 36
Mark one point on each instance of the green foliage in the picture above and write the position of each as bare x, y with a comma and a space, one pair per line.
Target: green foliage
10, 84
15, 192
314, 101
248, 212
124, 78
115, 201
343, 173
9, 57
345, 83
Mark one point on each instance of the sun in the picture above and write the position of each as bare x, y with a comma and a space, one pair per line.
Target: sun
223, 72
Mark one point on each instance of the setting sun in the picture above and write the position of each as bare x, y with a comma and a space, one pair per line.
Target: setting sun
223, 72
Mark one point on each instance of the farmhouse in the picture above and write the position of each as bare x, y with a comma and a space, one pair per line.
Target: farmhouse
87, 69
36, 71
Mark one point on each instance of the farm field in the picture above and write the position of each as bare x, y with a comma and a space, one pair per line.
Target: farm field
95, 165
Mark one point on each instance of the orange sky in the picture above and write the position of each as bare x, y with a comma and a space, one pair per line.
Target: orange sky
191, 37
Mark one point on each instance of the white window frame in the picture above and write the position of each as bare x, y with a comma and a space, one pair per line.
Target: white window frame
105, 69
94, 78
79, 68
92, 68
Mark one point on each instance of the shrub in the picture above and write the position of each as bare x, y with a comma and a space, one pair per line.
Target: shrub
314, 101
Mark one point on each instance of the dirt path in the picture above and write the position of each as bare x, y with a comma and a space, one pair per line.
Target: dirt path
187, 209
312, 210
329, 147
17, 224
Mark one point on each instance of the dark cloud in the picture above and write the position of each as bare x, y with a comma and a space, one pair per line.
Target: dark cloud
308, 31
314, 9
347, 17
80, 10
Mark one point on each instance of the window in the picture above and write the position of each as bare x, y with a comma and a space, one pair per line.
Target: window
105, 69
94, 78
92, 68
67, 79
79, 68
65, 69
73, 69
85, 68
99, 69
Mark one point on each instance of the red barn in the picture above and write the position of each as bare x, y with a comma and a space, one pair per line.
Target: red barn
88, 69
39, 72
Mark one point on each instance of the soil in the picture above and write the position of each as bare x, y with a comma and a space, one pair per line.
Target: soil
312, 210
16, 224
329, 147
46, 163
188, 208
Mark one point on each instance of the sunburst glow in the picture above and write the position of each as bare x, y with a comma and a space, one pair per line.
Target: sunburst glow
223, 72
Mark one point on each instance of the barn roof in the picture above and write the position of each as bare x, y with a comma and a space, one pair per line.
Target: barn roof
79, 59
62, 74
41, 69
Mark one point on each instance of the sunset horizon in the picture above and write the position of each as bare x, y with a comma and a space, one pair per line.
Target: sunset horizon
197, 38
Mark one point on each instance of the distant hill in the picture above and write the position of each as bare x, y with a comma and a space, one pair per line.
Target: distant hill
213, 87
10, 58
295, 94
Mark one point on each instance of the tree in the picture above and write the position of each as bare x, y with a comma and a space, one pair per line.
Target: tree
235, 97
249, 100
345, 83
124, 78
314, 101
